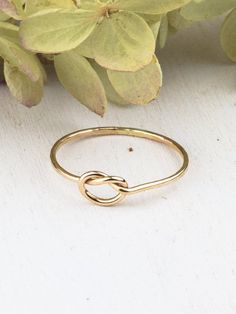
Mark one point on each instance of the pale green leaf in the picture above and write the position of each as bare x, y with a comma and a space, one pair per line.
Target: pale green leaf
12, 8
123, 42
1, 70
86, 48
90, 4
111, 93
151, 18
8, 8
57, 30
153, 22
9, 31
139, 87
33, 6
3, 16
27, 92
151, 6
43, 73
19, 4
228, 35
177, 21
163, 31
155, 27
197, 11
80, 80
26, 62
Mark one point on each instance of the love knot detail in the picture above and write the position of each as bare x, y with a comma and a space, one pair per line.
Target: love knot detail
100, 178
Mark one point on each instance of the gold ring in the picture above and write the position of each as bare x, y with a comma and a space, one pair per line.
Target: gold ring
119, 184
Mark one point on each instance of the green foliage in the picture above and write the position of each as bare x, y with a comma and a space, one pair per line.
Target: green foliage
102, 49
228, 35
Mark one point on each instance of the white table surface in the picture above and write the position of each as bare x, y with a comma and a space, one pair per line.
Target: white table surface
171, 250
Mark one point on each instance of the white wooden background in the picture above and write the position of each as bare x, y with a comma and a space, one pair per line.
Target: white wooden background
171, 250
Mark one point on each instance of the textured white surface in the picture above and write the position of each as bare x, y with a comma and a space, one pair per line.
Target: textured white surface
171, 250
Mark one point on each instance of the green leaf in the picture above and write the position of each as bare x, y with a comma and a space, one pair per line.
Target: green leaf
86, 48
9, 31
33, 6
197, 11
26, 62
57, 30
177, 21
111, 93
228, 35
151, 6
1, 70
155, 27
81, 81
153, 21
151, 18
90, 4
3, 16
8, 8
12, 8
43, 73
123, 42
27, 92
163, 31
139, 87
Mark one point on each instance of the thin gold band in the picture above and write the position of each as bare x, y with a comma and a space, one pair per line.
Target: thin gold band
118, 183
